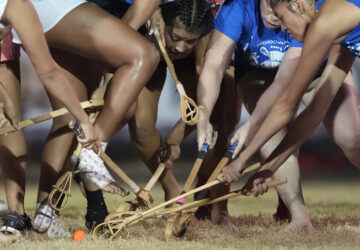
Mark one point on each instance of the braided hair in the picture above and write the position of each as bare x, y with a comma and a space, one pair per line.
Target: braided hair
194, 15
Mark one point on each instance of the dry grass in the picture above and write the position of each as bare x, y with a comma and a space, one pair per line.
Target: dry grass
334, 208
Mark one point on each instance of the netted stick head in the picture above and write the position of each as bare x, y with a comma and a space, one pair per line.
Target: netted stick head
189, 110
115, 216
61, 191
109, 229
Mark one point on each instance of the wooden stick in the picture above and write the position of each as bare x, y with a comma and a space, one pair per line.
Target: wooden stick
223, 162
117, 226
51, 115
196, 167
166, 57
62, 188
193, 191
208, 201
155, 177
189, 109
119, 172
139, 192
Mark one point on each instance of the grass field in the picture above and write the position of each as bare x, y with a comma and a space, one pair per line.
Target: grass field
334, 208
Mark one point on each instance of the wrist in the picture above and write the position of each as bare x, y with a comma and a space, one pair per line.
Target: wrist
84, 120
204, 115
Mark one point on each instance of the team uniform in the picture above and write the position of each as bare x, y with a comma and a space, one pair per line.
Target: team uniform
117, 8
51, 12
257, 46
3, 4
352, 40
9, 51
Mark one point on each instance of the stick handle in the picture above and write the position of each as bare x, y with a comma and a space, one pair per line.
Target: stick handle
155, 177
50, 115
166, 57
208, 201
118, 171
195, 169
223, 162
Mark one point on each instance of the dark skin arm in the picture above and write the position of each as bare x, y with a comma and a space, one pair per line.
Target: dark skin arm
139, 12
23, 18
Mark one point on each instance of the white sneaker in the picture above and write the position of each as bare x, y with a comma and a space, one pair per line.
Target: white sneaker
92, 168
45, 221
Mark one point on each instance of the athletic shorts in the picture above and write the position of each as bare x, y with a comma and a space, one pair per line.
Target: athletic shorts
51, 12
9, 50
116, 8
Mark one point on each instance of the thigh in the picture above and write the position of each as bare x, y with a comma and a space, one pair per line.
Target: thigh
77, 70
343, 119
10, 78
93, 33
252, 85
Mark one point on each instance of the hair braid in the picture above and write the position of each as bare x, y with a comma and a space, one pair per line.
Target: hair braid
195, 15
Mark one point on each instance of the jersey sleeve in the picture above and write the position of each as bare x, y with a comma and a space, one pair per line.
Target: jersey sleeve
230, 19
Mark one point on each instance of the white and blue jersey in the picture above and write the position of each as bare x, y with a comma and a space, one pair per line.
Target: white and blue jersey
351, 41
241, 21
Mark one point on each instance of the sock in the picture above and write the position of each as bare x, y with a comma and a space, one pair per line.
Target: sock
95, 199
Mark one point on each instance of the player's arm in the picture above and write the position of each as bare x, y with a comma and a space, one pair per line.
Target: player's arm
22, 16
217, 59
338, 66
139, 12
268, 99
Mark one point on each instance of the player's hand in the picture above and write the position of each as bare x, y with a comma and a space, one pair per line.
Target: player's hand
256, 185
233, 171
156, 21
240, 136
88, 137
206, 132
173, 156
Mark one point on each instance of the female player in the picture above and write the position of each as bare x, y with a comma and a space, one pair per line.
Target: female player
30, 32
251, 29
319, 25
66, 24
181, 36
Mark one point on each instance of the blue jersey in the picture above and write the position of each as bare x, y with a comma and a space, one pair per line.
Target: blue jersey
241, 21
352, 40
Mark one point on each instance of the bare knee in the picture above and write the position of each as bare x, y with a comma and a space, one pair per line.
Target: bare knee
147, 58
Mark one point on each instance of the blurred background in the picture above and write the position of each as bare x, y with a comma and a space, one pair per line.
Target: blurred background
320, 158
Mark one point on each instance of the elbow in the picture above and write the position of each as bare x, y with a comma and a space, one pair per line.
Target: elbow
50, 74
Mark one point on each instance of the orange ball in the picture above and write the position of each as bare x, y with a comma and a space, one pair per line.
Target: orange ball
79, 235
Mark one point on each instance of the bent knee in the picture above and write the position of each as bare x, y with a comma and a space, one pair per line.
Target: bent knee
147, 57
